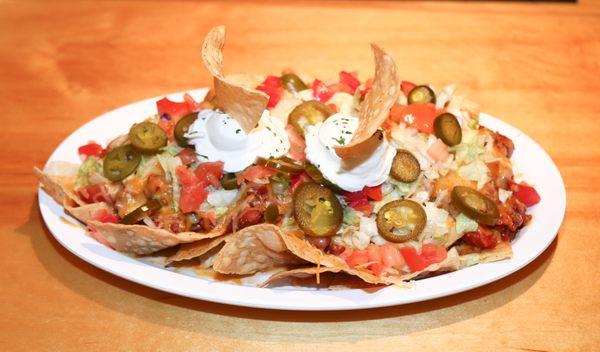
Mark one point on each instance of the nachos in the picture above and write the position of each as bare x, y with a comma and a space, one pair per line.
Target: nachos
385, 180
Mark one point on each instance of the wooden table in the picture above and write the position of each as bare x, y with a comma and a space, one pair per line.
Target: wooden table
61, 64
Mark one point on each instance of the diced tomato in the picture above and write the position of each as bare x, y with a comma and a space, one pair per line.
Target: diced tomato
192, 192
438, 151
297, 144
187, 156
192, 103
168, 126
174, 109
414, 261
255, 172
526, 194
321, 91
210, 173
419, 116
94, 194
272, 86
91, 149
407, 86
374, 193
390, 256
357, 258
298, 179
483, 238
432, 253
350, 80
340, 88
375, 257
104, 216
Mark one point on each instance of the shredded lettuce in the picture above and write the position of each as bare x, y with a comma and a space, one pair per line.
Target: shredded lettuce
351, 217
405, 189
88, 167
475, 171
465, 224
169, 165
173, 149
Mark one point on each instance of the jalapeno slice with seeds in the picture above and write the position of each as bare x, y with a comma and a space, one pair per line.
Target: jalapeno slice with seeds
147, 137
318, 177
138, 214
182, 127
292, 83
271, 214
317, 210
308, 113
405, 167
280, 165
421, 95
401, 220
447, 128
229, 181
475, 205
121, 162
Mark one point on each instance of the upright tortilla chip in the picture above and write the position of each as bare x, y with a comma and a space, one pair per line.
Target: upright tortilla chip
252, 249
376, 106
244, 104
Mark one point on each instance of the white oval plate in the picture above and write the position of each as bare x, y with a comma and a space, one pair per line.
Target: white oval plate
530, 160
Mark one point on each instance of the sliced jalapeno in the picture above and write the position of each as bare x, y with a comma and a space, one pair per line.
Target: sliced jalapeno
292, 83
271, 214
318, 177
121, 162
182, 127
405, 167
447, 129
147, 137
229, 181
401, 220
280, 165
475, 205
421, 95
317, 210
308, 113
138, 214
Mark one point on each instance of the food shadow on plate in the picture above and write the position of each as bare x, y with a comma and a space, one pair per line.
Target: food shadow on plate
114, 292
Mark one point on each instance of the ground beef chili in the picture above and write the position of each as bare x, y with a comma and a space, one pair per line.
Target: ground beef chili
503, 144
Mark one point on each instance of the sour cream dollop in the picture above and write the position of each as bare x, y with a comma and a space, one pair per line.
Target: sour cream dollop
217, 136
338, 129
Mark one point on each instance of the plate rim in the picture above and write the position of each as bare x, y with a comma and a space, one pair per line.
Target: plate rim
277, 296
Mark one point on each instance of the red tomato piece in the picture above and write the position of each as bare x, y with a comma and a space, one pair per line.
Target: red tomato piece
193, 105
438, 151
483, 238
419, 116
407, 86
192, 190
358, 201
175, 110
298, 179
357, 258
297, 144
91, 149
94, 194
272, 86
340, 88
321, 91
168, 126
390, 256
375, 258
414, 261
374, 193
255, 172
432, 253
350, 80
104, 216
187, 156
368, 85
527, 194
210, 173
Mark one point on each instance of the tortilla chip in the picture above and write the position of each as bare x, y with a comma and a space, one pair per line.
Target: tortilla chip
244, 104
142, 240
502, 251
193, 250
59, 187
376, 106
252, 249
451, 263
87, 212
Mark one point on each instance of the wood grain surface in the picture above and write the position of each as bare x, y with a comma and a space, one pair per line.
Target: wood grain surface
536, 65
